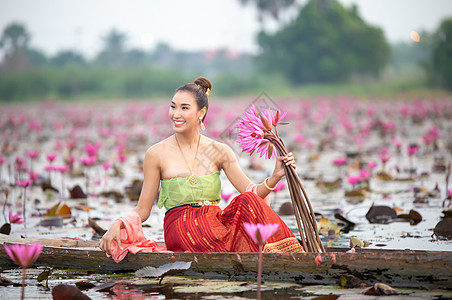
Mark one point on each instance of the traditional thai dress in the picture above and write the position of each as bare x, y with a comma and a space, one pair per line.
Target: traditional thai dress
195, 223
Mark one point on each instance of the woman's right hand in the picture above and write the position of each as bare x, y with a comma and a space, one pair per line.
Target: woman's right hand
113, 234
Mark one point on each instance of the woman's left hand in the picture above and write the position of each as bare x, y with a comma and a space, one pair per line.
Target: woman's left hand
288, 160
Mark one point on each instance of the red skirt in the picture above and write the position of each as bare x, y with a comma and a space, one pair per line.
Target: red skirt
210, 229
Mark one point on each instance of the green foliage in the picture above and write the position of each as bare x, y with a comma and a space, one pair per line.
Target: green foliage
439, 68
326, 43
75, 82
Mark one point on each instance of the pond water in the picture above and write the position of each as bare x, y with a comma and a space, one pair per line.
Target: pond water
319, 132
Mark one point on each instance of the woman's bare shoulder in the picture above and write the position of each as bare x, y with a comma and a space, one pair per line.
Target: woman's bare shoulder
159, 148
222, 148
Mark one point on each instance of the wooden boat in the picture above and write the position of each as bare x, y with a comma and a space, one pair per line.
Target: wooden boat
398, 268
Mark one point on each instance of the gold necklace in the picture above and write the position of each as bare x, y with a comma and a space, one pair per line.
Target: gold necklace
192, 178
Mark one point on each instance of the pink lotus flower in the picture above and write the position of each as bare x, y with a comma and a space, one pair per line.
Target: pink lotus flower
364, 174
32, 154
252, 129
33, 176
88, 160
91, 149
20, 161
260, 233
435, 132
428, 139
384, 151
70, 159
299, 138
412, 149
24, 255
24, 183
49, 168
371, 165
226, 196
61, 169
106, 165
14, 219
340, 161
353, 180
51, 156
384, 158
122, 157
279, 186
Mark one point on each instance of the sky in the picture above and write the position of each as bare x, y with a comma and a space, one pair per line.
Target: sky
189, 25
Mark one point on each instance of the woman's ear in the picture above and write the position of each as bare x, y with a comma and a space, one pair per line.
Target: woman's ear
202, 112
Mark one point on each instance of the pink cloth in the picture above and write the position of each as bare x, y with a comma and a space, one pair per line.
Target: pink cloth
132, 238
252, 187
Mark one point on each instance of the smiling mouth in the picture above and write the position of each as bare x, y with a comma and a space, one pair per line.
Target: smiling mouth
178, 123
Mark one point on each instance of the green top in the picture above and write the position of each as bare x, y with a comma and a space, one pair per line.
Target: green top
178, 191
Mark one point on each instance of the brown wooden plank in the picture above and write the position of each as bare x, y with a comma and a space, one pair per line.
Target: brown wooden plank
399, 268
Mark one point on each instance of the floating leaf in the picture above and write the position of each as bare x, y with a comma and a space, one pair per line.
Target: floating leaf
381, 214
53, 221
415, 217
105, 287
64, 291
5, 281
84, 285
58, 210
326, 225
77, 193
444, 228
163, 270
328, 186
379, 289
286, 209
5, 229
356, 242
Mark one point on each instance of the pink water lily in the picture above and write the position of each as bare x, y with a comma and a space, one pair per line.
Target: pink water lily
260, 233
24, 255
51, 156
88, 160
24, 183
340, 161
354, 180
14, 219
279, 186
226, 196
412, 149
255, 131
32, 154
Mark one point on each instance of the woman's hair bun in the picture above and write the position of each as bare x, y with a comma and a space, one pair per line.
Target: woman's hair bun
204, 83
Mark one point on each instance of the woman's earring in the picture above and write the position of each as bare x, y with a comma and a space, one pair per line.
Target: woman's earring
202, 124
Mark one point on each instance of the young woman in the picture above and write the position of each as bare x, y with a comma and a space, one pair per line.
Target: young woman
187, 166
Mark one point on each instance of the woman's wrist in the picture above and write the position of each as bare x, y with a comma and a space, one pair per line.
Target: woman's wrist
119, 223
271, 182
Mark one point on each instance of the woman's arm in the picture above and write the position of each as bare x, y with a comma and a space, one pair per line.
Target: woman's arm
151, 183
240, 181
148, 193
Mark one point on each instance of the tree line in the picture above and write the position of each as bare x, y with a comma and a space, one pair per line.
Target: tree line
325, 43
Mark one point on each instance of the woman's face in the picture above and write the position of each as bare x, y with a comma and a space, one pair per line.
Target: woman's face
184, 113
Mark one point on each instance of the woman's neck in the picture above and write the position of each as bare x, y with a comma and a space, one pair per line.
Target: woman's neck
189, 140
